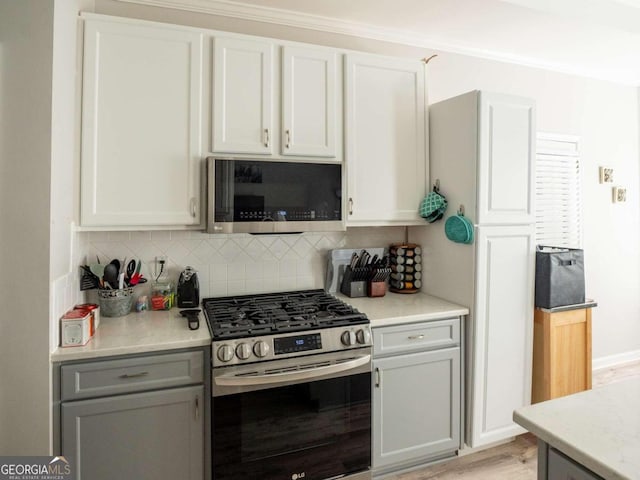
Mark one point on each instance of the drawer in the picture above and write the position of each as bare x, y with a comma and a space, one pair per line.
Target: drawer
416, 337
109, 377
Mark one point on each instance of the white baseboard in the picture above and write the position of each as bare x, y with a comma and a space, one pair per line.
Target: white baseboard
617, 359
467, 450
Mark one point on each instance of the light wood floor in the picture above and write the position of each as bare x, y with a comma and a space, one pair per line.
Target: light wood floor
516, 460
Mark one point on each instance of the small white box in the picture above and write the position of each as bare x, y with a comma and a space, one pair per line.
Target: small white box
75, 328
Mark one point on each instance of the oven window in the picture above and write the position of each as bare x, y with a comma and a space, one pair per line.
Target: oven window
321, 428
257, 191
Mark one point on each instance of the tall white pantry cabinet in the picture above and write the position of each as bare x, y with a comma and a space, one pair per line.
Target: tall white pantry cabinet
481, 154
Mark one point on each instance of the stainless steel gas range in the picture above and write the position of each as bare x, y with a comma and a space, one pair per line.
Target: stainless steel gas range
291, 387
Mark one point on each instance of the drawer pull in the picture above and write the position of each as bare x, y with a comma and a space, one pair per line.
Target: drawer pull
197, 408
416, 337
378, 377
134, 375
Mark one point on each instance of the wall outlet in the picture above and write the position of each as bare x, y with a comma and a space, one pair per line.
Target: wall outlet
606, 175
619, 194
161, 260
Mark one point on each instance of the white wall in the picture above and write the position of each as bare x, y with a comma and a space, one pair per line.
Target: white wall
604, 115
26, 33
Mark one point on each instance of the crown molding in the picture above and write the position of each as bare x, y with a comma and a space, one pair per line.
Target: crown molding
276, 16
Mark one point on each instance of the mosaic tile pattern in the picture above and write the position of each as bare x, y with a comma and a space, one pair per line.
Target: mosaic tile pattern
239, 263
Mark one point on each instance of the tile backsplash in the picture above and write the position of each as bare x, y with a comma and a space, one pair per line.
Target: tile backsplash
239, 263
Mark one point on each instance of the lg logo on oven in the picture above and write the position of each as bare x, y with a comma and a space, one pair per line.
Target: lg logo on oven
297, 476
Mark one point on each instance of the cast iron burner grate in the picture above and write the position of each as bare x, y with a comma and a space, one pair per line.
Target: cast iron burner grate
264, 314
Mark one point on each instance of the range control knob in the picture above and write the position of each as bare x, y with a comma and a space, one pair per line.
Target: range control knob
348, 338
363, 336
243, 351
261, 349
225, 353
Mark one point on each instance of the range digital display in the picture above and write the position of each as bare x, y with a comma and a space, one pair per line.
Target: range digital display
298, 343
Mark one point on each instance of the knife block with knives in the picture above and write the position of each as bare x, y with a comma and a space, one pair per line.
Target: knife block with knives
366, 276
353, 285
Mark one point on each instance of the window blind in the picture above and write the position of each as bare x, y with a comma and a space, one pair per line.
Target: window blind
558, 191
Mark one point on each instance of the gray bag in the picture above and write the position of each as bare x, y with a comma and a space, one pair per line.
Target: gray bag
559, 276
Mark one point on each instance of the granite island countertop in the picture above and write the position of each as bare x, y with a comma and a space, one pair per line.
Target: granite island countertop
143, 332
598, 428
397, 308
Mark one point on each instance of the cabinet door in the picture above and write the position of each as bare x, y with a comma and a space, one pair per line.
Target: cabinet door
242, 91
308, 102
147, 436
416, 406
141, 120
385, 140
506, 166
503, 331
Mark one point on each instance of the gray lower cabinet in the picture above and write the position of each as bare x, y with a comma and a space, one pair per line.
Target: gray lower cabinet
554, 465
142, 417
416, 395
152, 435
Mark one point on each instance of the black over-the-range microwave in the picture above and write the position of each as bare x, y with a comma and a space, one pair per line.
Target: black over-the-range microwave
266, 196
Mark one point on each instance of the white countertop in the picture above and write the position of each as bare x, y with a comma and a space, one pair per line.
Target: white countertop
149, 331
598, 428
396, 308
166, 330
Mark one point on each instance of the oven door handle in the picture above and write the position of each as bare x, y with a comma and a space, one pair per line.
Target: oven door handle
232, 380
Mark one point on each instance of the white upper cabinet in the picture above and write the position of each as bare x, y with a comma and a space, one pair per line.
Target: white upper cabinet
308, 102
245, 94
141, 125
506, 164
242, 96
482, 147
385, 140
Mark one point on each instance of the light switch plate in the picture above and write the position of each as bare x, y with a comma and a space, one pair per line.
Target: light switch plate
619, 194
606, 175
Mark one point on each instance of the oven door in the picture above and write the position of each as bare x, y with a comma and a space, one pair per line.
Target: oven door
305, 418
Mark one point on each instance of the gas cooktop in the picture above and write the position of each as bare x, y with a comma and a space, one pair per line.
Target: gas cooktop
274, 313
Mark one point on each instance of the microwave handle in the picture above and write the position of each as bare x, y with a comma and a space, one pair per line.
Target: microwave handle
232, 380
